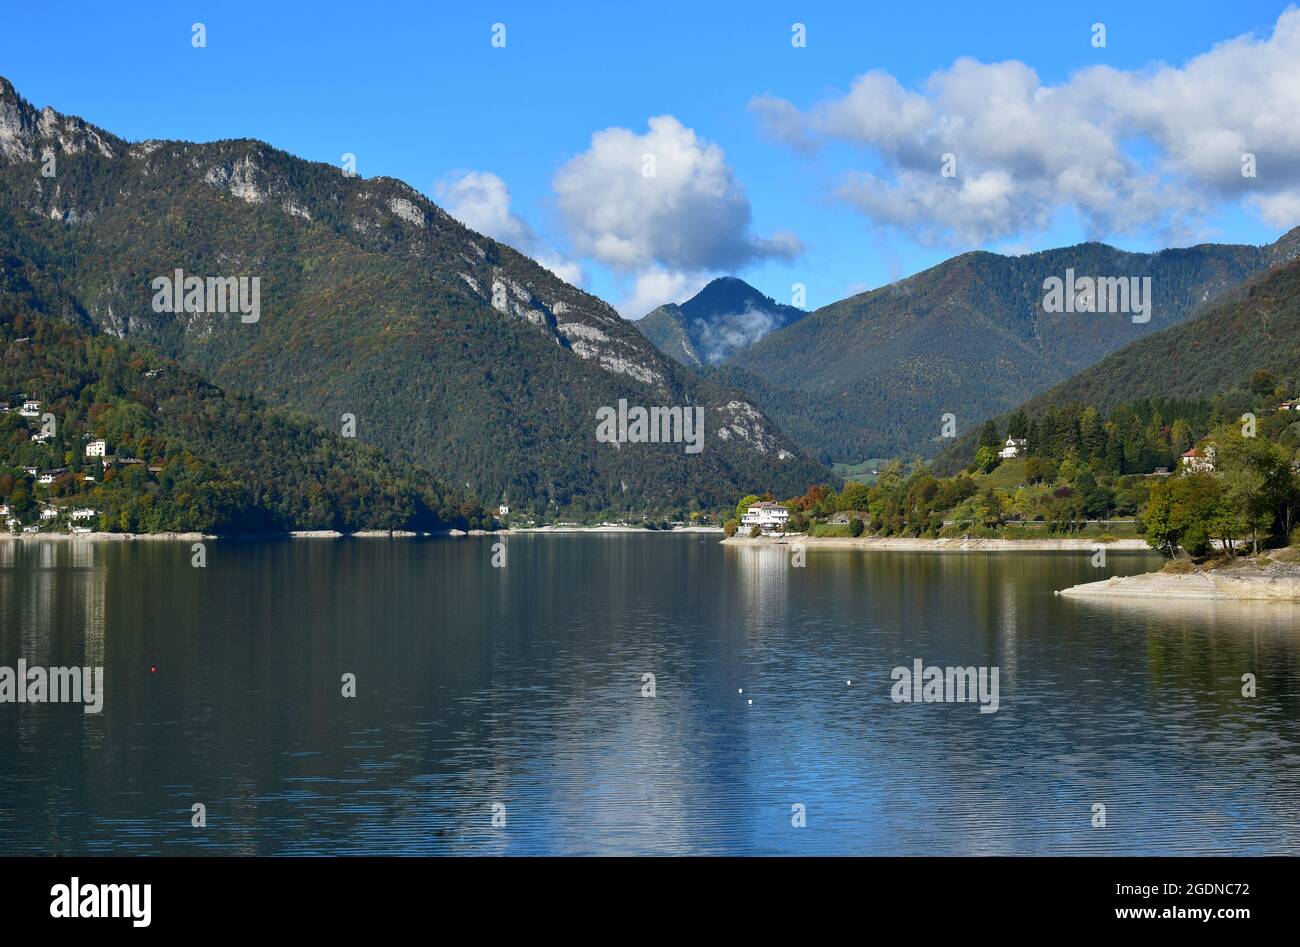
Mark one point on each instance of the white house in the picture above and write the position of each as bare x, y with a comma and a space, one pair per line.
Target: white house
84, 513
1014, 447
1199, 461
50, 513
1293, 405
503, 510
43, 436
45, 479
768, 517
31, 471
30, 409
97, 449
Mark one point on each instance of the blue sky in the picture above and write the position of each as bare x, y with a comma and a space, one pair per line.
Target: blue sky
768, 167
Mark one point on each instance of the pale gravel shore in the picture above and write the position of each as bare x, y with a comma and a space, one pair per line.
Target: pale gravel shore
1274, 583
908, 544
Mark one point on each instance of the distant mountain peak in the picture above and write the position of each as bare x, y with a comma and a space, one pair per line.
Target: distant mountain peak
724, 317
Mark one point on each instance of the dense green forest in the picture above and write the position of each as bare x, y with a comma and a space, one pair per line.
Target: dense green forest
186, 456
1082, 471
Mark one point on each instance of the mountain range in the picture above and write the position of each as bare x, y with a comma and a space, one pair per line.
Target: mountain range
448, 349
872, 375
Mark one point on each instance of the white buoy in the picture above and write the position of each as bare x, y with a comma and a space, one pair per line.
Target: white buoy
751, 700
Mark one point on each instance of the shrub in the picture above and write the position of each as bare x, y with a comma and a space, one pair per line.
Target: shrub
856, 527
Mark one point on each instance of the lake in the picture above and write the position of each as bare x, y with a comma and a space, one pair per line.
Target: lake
515, 695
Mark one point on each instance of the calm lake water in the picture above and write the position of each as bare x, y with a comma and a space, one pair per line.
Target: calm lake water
521, 688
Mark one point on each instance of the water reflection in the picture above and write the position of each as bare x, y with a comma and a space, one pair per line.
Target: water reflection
522, 686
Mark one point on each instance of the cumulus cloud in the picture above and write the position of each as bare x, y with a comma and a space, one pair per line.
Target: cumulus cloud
1025, 151
481, 201
664, 200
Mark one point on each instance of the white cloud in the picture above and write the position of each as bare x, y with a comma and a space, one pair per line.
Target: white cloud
690, 216
655, 286
1278, 210
1026, 151
481, 201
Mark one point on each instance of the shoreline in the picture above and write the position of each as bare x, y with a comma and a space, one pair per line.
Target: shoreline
525, 530
910, 544
335, 534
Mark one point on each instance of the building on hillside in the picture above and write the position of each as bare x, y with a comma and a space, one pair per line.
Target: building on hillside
50, 513
84, 513
41, 437
1199, 461
1292, 405
503, 510
97, 449
768, 517
1014, 447
30, 409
